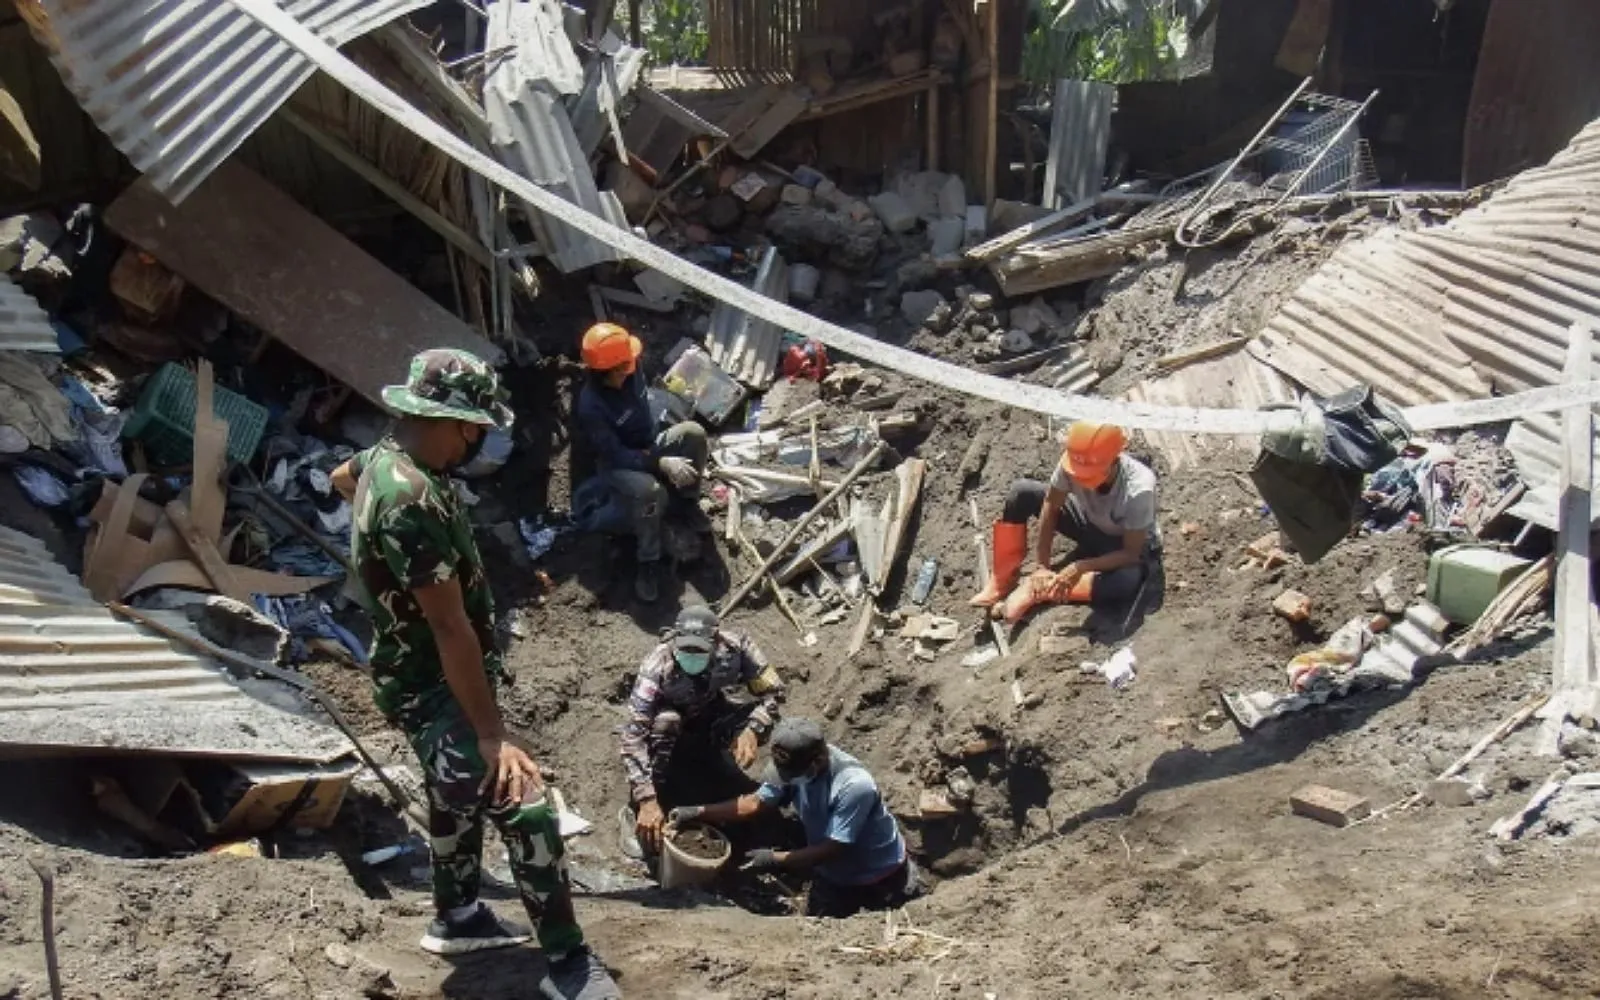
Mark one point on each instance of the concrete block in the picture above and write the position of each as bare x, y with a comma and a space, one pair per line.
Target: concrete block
953, 198
1450, 792
1329, 805
946, 234
895, 212
977, 219
917, 307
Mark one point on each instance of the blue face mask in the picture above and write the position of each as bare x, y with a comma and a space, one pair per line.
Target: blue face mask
691, 663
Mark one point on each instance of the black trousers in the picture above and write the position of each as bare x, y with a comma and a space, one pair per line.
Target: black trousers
1026, 501
834, 899
690, 760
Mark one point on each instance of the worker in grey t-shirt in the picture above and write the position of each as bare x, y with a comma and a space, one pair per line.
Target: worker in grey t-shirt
1099, 497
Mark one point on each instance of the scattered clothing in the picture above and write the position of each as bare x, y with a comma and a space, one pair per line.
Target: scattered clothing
1310, 468
42, 487
306, 617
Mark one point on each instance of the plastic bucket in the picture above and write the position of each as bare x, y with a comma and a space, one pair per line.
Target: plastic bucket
681, 870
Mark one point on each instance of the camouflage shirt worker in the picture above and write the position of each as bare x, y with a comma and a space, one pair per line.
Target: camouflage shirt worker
411, 530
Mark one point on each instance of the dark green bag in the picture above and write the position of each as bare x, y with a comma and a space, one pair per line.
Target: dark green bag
1310, 471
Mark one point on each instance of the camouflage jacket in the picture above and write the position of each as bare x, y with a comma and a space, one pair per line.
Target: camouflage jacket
410, 531
735, 662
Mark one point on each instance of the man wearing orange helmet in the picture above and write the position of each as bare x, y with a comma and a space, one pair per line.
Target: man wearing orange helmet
627, 494
1099, 497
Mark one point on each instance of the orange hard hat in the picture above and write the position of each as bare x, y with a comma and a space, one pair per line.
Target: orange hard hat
1092, 449
607, 346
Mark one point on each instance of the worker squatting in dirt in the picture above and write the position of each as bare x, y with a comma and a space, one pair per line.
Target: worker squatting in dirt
854, 850
1101, 498
436, 667
685, 742
626, 495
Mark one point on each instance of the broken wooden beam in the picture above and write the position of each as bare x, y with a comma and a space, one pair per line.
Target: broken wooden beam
734, 599
806, 558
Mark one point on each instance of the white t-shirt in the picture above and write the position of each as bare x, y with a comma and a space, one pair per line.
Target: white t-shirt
1127, 504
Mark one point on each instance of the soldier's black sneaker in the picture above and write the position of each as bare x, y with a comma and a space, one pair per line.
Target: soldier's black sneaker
483, 931
579, 975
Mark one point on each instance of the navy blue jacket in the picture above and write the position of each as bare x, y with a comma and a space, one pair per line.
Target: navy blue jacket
617, 424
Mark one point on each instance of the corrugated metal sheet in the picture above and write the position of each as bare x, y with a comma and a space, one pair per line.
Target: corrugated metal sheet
1080, 130
591, 112
532, 133
740, 344
178, 85
23, 325
1237, 380
1484, 302
73, 677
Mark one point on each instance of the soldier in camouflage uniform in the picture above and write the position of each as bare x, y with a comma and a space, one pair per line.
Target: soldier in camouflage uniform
435, 668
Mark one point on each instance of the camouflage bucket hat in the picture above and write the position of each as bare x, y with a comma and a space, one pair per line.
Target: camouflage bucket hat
451, 384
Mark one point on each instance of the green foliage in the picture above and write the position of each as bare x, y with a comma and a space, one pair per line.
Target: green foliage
675, 32
1146, 43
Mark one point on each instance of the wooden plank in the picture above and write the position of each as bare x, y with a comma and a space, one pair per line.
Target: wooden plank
804, 559
991, 141
775, 119
1178, 359
1572, 668
254, 249
425, 213
909, 477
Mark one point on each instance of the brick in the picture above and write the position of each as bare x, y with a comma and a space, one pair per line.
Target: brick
1293, 605
1329, 805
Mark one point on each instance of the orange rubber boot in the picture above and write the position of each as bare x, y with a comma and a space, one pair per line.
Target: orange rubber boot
1034, 592
1010, 545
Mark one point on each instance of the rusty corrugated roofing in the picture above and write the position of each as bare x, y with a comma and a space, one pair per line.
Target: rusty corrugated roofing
75, 678
1480, 304
1236, 380
177, 85
23, 324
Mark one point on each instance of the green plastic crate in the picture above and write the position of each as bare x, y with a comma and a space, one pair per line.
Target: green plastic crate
164, 419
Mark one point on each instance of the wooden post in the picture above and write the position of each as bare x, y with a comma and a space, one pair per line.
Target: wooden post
991, 145
933, 124
635, 33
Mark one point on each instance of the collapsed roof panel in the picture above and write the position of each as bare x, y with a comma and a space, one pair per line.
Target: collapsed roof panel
23, 324
257, 251
1483, 302
177, 85
532, 133
74, 678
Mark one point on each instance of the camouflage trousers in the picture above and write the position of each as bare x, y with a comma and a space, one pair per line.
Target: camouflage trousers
458, 804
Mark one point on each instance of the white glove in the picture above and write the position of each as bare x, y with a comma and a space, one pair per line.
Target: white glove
679, 471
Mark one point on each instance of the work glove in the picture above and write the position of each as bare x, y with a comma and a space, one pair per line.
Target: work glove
685, 814
762, 860
680, 472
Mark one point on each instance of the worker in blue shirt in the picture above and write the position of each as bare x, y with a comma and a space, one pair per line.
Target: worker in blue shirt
854, 851
636, 466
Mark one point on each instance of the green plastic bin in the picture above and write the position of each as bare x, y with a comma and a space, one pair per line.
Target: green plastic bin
164, 419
